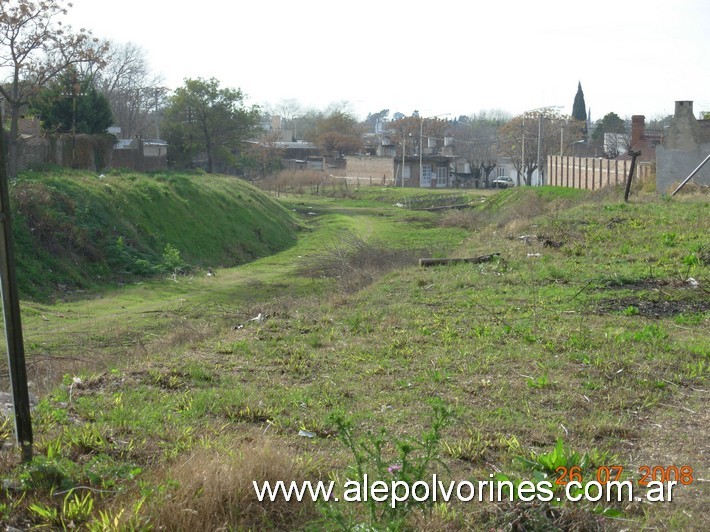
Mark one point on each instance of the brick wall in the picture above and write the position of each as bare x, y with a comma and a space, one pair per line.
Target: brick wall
376, 168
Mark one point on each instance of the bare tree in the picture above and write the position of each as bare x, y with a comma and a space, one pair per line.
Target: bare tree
520, 139
263, 157
34, 49
134, 93
477, 142
289, 111
616, 144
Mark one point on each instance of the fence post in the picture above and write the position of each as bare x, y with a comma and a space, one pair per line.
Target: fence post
574, 172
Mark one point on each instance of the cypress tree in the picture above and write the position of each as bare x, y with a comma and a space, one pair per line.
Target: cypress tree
579, 108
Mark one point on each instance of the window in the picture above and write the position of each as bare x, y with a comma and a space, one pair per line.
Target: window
425, 179
500, 172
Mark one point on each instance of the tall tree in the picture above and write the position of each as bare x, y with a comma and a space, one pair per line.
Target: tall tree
373, 119
203, 118
579, 108
338, 131
34, 49
72, 104
134, 93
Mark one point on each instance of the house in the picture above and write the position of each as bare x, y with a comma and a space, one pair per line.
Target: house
435, 166
425, 171
642, 140
685, 145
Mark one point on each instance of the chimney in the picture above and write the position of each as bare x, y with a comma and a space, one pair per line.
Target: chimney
638, 126
683, 107
684, 131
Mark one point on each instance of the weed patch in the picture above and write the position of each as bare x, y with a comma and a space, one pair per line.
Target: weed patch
356, 263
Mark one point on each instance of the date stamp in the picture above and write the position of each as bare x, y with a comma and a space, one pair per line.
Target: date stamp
656, 481
605, 474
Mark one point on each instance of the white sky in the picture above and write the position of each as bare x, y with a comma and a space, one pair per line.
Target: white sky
457, 56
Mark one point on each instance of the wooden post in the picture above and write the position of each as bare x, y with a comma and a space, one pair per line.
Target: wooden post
574, 172
470, 260
11, 314
633, 154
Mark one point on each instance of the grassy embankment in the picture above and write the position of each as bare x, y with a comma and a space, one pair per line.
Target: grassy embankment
77, 231
590, 330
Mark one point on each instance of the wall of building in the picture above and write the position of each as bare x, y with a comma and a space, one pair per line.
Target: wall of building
675, 165
377, 168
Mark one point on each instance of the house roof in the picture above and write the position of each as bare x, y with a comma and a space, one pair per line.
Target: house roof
647, 146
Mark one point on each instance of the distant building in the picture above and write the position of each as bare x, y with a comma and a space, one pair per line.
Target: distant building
641, 140
141, 155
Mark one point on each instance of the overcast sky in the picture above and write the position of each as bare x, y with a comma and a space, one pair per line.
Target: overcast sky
456, 56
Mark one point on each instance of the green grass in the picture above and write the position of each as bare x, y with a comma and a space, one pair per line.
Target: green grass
538, 360
80, 230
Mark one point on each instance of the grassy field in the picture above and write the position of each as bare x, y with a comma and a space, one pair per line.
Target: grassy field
583, 345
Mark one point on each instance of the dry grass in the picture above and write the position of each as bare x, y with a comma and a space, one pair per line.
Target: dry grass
463, 218
357, 263
294, 181
214, 491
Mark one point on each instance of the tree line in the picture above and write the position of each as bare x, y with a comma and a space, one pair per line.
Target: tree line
77, 83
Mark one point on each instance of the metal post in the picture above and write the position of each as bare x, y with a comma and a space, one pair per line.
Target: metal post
11, 314
691, 175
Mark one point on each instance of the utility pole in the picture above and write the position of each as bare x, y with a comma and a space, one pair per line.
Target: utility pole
75, 89
157, 122
11, 314
540, 180
404, 149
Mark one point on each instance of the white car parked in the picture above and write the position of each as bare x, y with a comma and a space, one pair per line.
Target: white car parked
503, 182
